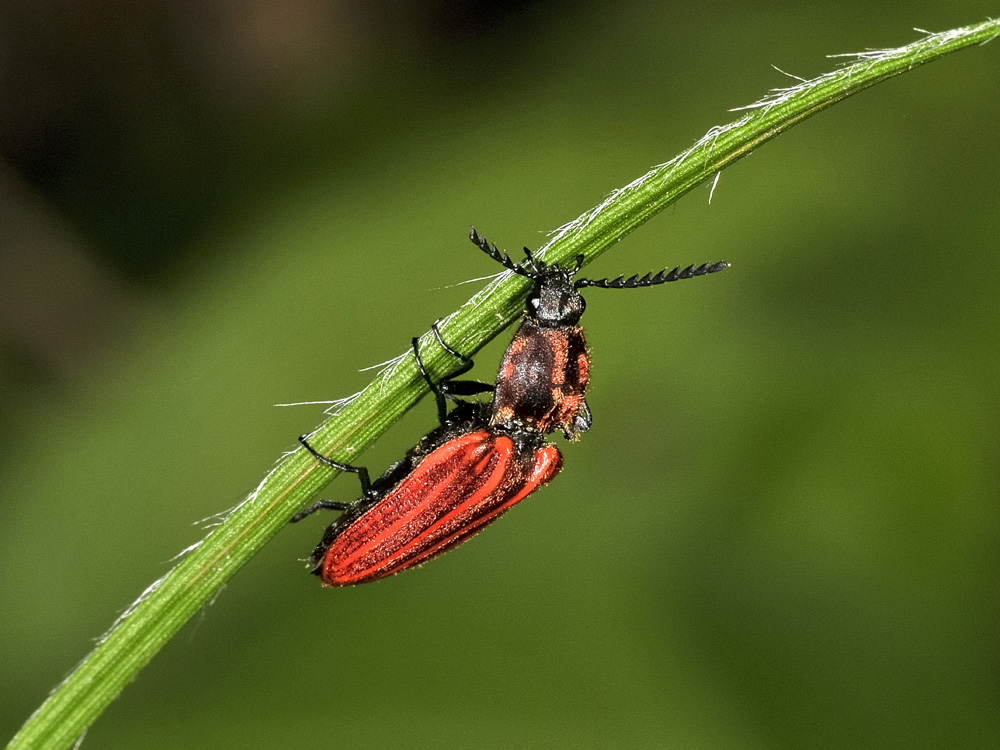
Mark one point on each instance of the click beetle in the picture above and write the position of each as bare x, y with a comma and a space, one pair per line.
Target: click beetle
483, 458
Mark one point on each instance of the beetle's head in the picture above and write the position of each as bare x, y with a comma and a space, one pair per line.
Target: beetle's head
554, 300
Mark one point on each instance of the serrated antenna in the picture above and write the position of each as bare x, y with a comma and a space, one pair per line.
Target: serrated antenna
500, 257
651, 279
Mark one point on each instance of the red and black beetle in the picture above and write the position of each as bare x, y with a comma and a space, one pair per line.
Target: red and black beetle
482, 458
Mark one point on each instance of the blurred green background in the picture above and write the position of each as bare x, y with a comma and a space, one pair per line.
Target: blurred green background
782, 531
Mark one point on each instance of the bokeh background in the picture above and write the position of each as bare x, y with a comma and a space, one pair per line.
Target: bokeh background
782, 531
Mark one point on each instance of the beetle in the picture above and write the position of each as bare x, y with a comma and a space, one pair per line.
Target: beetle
483, 458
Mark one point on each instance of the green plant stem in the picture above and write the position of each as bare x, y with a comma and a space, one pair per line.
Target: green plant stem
160, 612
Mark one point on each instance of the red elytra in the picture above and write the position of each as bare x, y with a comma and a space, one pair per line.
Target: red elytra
448, 497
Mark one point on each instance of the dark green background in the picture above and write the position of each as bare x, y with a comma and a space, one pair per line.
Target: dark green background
782, 531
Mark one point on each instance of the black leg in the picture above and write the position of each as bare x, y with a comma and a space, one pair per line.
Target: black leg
361, 471
321, 505
439, 397
447, 387
466, 361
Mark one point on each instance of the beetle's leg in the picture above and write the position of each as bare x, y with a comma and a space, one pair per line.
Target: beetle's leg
321, 505
447, 387
361, 471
